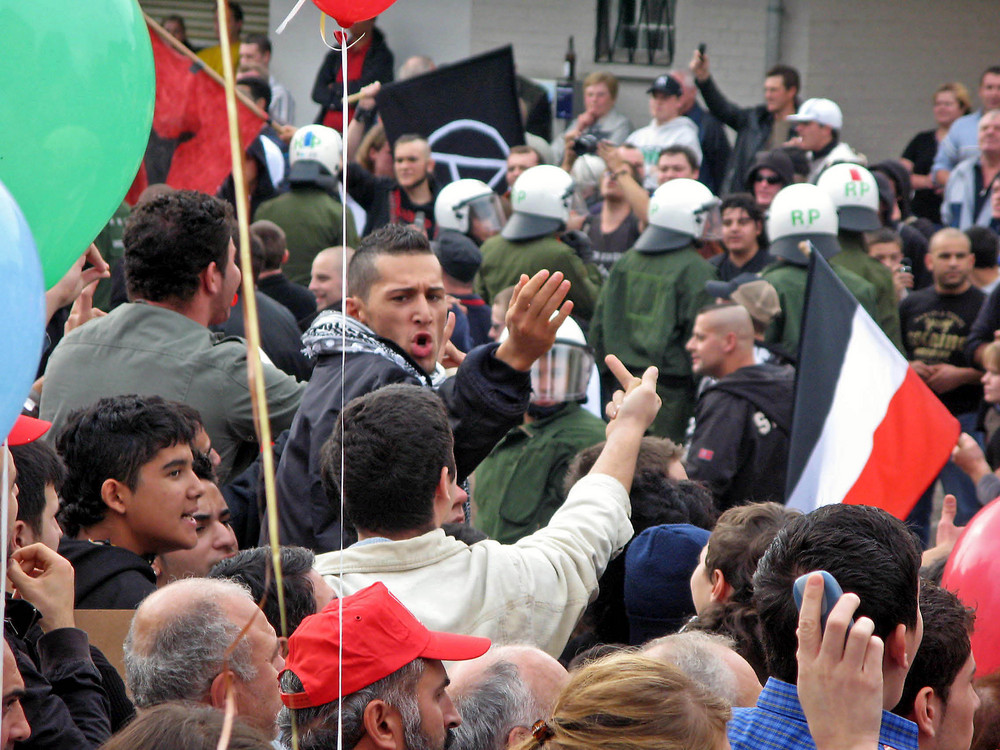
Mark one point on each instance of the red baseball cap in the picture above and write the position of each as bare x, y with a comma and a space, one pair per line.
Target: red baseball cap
27, 430
379, 636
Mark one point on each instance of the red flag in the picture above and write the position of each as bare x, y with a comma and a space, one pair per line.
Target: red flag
189, 148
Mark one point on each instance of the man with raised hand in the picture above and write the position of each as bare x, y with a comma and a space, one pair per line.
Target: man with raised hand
533, 591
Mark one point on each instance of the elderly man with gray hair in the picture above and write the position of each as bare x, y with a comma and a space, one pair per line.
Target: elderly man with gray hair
187, 642
502, 694
709, 659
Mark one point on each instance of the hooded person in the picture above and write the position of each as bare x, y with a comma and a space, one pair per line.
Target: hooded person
770, 171
257, 169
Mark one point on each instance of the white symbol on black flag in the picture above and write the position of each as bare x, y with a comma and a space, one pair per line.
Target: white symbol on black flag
467, 111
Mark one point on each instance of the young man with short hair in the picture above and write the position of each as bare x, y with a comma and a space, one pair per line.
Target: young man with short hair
393, 325
938, 694
180, 266
742, 235
876, 558
758, 128
533, 591
40, 474
407, 197
130, 493
677, 161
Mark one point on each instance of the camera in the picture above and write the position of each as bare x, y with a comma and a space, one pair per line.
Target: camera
586, 144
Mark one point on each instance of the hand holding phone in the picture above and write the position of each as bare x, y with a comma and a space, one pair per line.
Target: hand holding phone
831, 594
839, 681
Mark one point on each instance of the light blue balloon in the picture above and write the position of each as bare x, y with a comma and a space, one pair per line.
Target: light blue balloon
22, 310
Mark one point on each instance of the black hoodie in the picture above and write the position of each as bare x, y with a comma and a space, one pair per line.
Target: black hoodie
740, 441
107, 577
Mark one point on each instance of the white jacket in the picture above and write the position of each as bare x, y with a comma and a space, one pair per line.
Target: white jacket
533, 591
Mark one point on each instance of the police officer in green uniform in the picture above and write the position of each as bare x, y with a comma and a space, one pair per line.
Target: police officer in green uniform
854, 192
798, 213
310, 215
647, 306
529, 242
520, 484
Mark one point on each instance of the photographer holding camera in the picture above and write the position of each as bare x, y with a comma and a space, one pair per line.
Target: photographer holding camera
599, 121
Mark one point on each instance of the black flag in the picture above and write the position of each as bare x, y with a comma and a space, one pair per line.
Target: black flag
467, 111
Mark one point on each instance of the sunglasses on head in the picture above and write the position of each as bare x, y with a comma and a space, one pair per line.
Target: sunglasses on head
770, 179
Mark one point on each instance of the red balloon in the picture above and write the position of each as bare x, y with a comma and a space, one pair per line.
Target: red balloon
349, 12
973, 573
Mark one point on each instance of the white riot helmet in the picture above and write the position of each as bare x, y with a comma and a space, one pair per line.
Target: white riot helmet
680, 211
541, 199
802, 212
854, 192
469, 207
316, 143
562, 374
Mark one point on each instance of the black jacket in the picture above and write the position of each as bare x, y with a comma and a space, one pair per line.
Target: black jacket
107, 577
485, 399
386, 202
64, 702
753, 129
378, 66
299, 300
279, 334
740, 441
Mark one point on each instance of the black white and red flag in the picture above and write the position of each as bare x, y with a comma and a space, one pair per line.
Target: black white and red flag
866, 429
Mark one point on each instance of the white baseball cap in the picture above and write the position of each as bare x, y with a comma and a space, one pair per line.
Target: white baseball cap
823, 111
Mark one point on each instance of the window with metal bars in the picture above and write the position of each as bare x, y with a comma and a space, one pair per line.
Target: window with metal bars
638, 32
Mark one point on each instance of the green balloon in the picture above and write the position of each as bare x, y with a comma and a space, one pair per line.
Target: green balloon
78, 89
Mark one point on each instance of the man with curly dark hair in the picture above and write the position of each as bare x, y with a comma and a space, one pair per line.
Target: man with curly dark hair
182, 277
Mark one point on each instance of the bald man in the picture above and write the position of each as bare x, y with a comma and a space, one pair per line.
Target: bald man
326, 283
742, 420
709, 659
502, 694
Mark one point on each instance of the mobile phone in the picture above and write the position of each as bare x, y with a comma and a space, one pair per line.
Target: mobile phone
905, 266
702, 49
831, 593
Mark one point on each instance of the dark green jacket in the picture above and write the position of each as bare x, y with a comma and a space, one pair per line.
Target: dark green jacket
504, 262
789, 280
520, 484
645, 315
312, 221
853, 257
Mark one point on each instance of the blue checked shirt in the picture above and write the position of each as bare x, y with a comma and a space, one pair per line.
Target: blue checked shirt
777, 723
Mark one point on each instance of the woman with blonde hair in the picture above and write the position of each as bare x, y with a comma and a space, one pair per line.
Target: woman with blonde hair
627, 701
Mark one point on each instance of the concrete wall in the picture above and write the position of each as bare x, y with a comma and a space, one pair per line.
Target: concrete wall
880, 61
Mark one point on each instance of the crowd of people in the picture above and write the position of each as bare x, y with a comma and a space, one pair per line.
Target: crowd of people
539, 438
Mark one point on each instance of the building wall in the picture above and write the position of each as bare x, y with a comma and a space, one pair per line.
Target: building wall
881, 66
